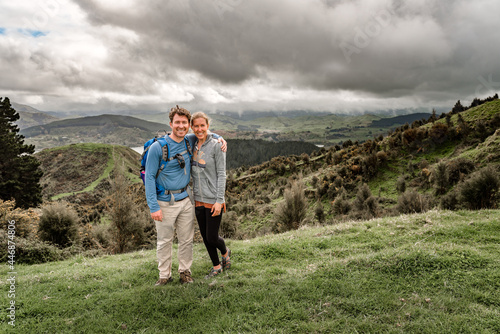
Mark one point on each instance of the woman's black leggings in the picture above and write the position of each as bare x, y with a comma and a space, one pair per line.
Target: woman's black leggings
209, 229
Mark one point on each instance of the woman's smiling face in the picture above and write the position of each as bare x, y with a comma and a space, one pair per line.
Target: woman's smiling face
200, 128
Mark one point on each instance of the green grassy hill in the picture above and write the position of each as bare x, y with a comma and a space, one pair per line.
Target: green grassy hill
408, 158
82, 170
436, 272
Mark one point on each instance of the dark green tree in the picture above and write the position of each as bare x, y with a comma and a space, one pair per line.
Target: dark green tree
19, 169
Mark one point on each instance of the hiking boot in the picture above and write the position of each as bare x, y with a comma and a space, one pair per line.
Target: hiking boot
213, 272
163, 281
226, 261
185, 277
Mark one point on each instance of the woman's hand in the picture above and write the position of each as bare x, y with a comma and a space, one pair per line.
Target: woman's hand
216, 209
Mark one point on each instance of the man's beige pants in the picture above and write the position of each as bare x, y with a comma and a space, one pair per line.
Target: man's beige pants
177, 217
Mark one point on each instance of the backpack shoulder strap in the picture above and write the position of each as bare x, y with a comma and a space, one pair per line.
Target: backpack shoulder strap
164, 155
188, 147
164, 148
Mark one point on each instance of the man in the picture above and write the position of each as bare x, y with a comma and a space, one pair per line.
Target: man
172, 209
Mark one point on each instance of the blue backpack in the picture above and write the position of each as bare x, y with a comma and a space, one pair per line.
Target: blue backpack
165, 159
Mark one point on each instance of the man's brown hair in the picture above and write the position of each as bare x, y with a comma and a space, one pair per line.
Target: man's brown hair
179, 111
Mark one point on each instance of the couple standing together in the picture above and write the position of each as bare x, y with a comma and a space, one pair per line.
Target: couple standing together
170, 199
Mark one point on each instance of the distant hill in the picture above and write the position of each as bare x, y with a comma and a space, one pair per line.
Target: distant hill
30, 116
108, 129
399, 120
24, 108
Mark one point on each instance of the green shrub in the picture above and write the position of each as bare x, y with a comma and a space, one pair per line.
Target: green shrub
26, 221
229, 225
458, 169
450, 201
341, 205
292, 211
314, 181
58, 224
412, 201
365, 204
439, 177
401, 184
480, 191
319, 212
128, 220
30, 251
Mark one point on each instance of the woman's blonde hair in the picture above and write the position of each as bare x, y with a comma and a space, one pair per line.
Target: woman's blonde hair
200, 114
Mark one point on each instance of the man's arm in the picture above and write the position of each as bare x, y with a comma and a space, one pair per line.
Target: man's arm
152, 165
221, 140
191, 137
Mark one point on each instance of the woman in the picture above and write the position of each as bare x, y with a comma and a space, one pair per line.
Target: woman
209, 180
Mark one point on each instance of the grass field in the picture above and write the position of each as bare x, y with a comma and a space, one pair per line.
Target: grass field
437, 272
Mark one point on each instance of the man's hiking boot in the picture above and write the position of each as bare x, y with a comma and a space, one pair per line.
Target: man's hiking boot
163, 281
226, 261
213, 272
185, 277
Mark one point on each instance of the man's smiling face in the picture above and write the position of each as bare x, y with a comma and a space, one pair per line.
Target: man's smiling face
180, 127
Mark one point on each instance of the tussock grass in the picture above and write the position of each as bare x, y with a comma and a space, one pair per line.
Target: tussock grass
436, 272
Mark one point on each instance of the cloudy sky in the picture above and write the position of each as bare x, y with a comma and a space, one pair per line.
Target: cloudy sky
235, 55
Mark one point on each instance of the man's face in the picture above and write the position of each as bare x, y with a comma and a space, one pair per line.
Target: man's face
180, 126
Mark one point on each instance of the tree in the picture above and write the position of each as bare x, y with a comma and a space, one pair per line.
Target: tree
457, 108
128, 220
19, 169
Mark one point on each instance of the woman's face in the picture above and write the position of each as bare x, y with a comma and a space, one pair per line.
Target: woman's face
200, 128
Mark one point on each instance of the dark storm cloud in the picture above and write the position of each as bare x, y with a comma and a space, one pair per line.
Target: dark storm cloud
387, 48
237, 55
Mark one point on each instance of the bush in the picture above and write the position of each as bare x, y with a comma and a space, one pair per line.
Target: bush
128, 221
292, 211
412, 201
314, 181
450, 201
364, 203
458, 169
480, 191
341, 205
319, 212
26, 221
30, 251
401, 184
439, 177
58, 224
229, 226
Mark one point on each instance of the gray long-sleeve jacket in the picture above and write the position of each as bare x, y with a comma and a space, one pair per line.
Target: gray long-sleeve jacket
209, 172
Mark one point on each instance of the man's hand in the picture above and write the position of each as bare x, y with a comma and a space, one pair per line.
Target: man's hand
224, 144
157, 215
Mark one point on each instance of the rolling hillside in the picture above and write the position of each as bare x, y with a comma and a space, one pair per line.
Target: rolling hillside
80, 172
106, 129
407, 162
409, 157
